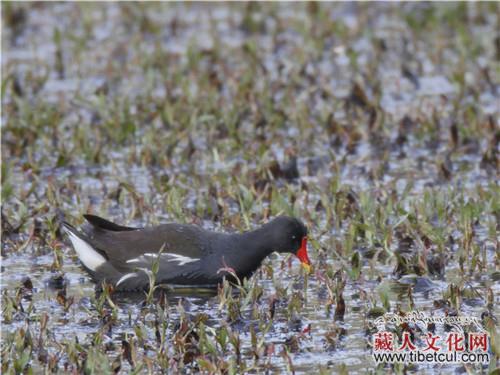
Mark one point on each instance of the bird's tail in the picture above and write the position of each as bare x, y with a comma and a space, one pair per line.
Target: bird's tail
91, 258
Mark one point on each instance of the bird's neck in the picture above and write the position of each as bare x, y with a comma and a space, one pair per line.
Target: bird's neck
252, 248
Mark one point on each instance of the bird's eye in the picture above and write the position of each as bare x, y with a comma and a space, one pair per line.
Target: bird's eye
293, 237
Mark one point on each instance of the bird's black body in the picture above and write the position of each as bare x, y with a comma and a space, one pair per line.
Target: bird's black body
187, 255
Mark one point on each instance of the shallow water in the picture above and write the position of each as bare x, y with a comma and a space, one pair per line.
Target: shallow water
175, 113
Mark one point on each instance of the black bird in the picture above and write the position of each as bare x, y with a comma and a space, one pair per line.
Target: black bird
187, 255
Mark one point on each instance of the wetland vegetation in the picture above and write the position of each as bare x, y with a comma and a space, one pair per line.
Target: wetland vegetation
376, 124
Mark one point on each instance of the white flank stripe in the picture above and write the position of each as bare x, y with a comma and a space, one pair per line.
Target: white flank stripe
126, 277
180, 259
140, 259
135, 260
89, 257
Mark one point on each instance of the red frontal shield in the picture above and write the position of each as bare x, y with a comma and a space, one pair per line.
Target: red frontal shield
302, 253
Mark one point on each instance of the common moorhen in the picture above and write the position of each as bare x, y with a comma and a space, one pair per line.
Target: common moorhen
187, 255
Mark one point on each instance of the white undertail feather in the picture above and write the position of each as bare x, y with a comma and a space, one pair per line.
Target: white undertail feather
89, 257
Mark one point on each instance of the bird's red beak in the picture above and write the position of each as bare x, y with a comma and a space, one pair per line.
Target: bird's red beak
302, 255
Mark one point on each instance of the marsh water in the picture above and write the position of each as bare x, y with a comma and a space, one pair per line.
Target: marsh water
376, 124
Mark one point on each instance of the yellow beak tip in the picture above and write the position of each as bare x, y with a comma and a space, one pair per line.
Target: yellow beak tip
307, 267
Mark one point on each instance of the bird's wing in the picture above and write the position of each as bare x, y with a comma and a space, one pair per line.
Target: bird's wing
181, 243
